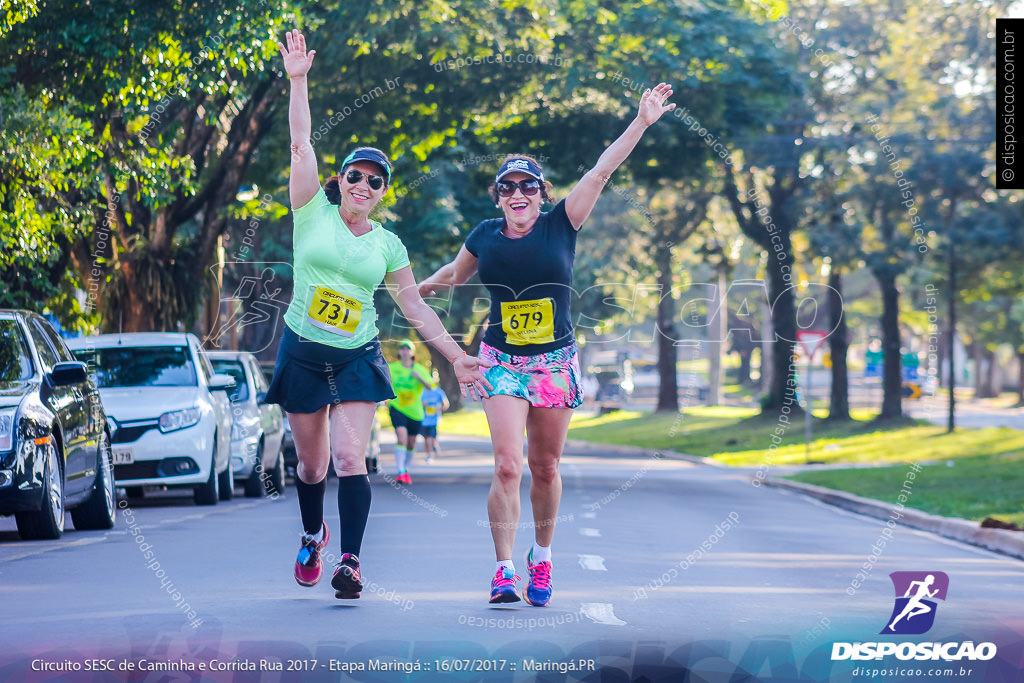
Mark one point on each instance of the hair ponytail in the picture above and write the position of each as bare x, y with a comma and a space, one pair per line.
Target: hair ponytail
332, 188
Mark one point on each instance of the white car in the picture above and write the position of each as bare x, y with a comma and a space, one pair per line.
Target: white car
168, 412
257, 430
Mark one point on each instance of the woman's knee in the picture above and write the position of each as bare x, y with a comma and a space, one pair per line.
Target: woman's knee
508, 468
544, 471
312, 470
348, 462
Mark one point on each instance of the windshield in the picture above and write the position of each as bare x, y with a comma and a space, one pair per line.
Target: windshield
15, 359
140, 366
237, 372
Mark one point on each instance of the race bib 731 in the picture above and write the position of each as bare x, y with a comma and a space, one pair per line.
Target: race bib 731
334, 312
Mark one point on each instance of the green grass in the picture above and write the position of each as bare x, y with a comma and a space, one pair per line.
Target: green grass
972, 488
986, 478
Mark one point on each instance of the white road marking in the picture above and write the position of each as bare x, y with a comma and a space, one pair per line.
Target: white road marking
590, 532
601, 613
589, 515
593, 562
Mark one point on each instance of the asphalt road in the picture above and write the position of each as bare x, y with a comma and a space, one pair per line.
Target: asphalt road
635, 594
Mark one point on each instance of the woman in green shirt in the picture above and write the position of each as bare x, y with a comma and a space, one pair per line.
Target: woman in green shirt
330, 373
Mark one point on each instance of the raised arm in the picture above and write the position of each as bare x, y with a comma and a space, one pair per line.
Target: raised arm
455, 273
581, 200
304, 182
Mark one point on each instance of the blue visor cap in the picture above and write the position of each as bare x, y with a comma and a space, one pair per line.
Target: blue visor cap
369, 155
523, 166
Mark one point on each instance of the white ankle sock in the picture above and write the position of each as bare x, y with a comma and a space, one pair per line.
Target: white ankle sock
506, 563
540, 553
318, 536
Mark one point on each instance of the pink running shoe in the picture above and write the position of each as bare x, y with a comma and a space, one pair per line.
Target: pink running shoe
503, 586
538, 592
309, 568
347, 581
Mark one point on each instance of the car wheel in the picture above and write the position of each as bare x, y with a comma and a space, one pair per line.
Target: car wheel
48, 522
275, 483
254, 485
209, 493
100, 510
227, 481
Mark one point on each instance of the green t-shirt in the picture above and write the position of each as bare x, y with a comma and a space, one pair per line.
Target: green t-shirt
408, 388
336, 274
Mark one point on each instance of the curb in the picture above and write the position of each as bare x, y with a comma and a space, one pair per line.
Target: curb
1000, 540
648, 452
1009, 543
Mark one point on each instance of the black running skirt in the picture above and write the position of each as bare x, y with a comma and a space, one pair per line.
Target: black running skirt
309, 375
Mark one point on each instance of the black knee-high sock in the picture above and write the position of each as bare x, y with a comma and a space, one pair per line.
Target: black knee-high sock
311, 504
354, 507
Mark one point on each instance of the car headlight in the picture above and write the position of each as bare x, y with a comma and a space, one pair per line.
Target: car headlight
7, 429
179, 419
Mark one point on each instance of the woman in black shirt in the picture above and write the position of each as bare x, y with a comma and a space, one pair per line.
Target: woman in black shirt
525, 260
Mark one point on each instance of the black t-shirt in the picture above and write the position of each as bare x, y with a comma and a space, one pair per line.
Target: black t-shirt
530, 282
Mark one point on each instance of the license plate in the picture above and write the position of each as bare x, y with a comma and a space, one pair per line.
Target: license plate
123, 456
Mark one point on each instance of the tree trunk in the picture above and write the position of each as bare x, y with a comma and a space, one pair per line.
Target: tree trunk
767, 350
892, 383
743, 373
668, 389
839, 398
780, 294
136, 312
940, 359
987, 375
717, 333
1020, 378
978, 351
754, 217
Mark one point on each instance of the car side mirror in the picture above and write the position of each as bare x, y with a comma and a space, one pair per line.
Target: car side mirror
69, 372
221, 382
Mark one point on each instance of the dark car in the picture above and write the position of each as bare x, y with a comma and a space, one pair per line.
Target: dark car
55, 452
614, 387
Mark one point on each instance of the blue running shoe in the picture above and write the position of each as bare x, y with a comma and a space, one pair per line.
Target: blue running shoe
503, 586
538, 592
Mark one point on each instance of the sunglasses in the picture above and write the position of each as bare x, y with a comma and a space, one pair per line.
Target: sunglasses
507, 188
374, 181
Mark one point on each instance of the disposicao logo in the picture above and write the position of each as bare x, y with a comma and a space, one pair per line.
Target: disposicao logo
916, 592
913, 614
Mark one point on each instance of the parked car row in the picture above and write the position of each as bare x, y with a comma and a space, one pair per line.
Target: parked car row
80, 418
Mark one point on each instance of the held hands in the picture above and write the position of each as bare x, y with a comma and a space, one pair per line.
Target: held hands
296, 60
652, 104
470, 376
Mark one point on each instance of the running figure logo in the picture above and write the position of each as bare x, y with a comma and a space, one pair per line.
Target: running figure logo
914, 611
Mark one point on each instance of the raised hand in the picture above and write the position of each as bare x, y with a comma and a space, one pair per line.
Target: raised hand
296, 60
652, 103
